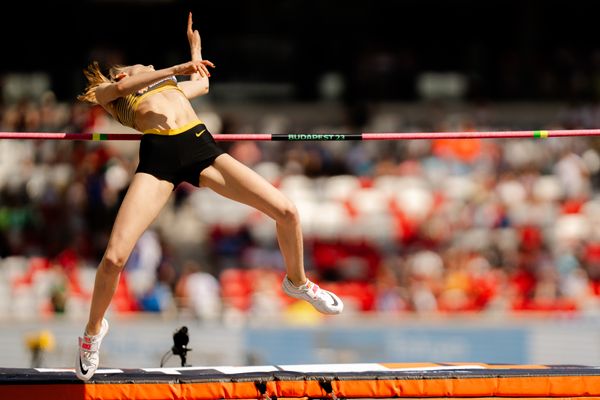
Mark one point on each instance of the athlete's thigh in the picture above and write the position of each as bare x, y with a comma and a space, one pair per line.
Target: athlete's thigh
234, 180
145, 198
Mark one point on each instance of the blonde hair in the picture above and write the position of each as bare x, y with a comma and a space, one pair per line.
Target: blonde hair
95, 78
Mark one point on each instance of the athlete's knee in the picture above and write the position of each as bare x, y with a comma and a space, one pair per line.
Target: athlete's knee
113, 260
287, 213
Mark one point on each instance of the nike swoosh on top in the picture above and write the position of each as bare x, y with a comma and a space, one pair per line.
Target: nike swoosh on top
83, 370
200, 133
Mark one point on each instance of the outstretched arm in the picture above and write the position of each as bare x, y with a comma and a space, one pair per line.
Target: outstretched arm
109, 92
198, 83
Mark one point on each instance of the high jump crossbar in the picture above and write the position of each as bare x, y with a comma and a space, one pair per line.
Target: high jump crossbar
295, 137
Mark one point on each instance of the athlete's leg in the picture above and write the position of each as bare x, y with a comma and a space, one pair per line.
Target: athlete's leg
145, 197
234, 180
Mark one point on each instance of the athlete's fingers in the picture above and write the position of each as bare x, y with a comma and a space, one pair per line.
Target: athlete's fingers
205, 70
199, 70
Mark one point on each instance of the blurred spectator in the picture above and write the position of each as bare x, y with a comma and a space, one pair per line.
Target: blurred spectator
198, 292
411, 226
267, 300
142, 265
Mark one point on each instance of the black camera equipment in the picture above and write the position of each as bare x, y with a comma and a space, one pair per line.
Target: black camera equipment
180, 343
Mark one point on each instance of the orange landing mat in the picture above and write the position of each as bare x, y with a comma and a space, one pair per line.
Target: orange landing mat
414, 380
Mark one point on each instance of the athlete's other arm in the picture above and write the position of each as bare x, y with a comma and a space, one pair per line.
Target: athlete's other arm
198, 83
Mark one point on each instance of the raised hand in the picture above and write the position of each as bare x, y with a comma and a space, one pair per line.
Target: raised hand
193, 36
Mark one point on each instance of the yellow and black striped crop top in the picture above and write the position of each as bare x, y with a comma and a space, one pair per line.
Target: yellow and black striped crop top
125, 107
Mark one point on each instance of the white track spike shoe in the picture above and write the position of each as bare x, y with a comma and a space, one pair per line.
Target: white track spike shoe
321, 299
88, 356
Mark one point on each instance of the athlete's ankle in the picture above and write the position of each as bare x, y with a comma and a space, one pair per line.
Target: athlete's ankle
297, 281
93, 329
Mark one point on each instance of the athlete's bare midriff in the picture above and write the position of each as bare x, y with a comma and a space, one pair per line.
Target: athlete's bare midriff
166, 110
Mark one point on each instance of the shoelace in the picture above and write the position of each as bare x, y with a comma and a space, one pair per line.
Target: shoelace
87, 355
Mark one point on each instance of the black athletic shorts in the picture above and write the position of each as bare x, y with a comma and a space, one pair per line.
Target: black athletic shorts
178, 158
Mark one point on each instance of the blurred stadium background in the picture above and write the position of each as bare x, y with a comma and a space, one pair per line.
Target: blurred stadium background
443, 251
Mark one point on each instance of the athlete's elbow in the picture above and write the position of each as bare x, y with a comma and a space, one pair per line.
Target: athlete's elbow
196, 90
205, 90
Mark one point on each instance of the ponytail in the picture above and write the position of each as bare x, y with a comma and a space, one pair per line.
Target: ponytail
94, 79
